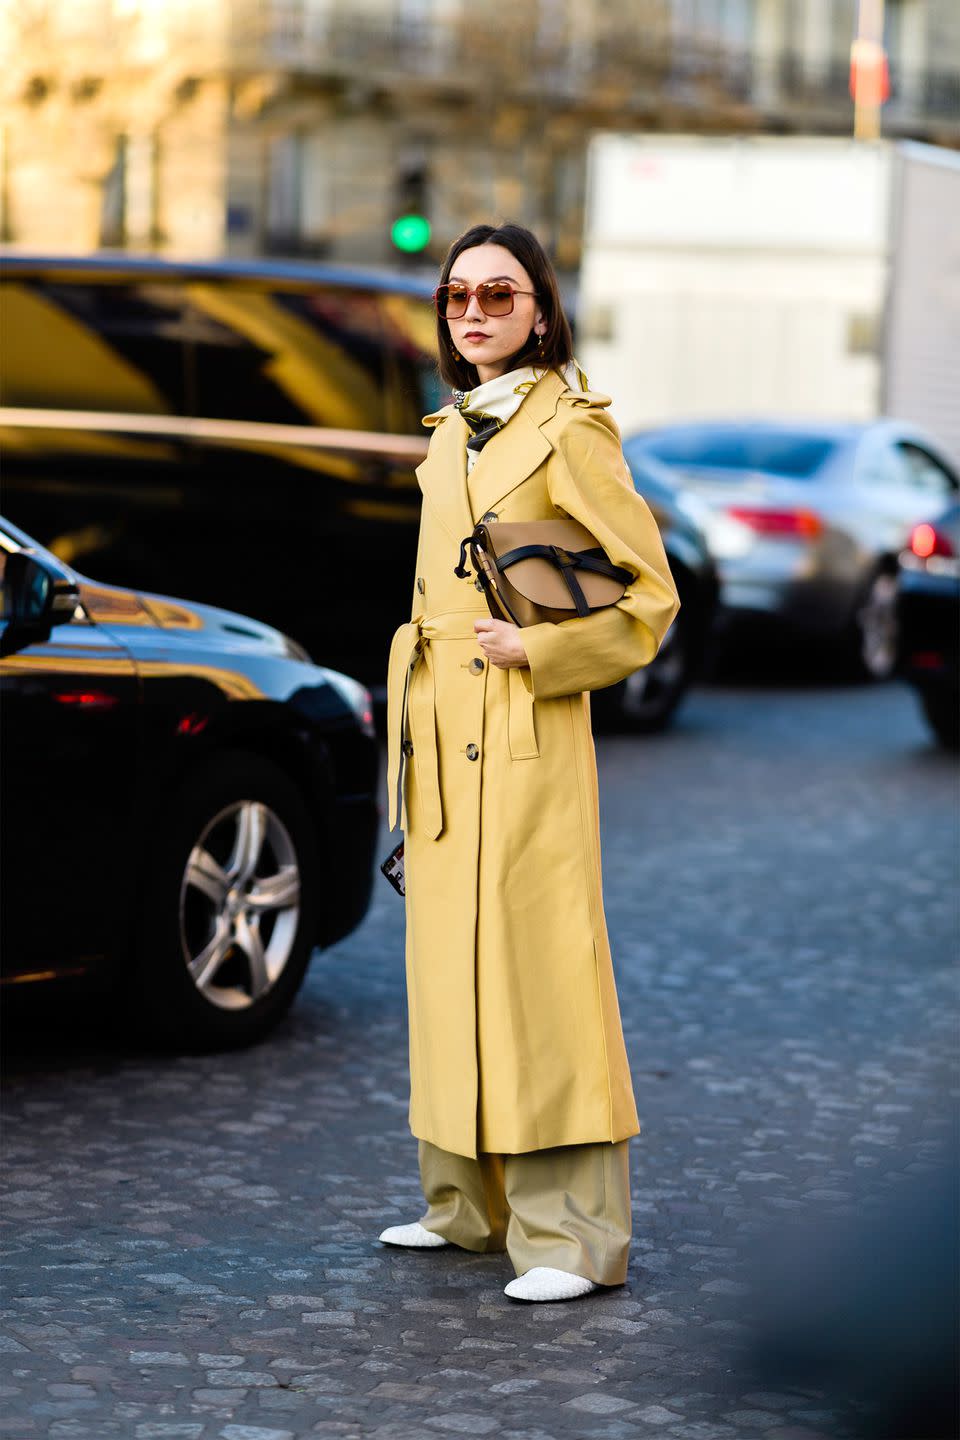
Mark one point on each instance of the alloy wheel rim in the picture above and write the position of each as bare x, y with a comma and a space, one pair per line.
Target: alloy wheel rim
239, 905
878, 627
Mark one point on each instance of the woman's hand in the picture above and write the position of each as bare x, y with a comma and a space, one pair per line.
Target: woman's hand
501, 642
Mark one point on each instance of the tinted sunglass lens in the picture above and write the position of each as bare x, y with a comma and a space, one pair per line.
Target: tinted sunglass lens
495, 299
453, 301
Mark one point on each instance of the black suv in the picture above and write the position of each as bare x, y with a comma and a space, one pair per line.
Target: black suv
241, 429
228, 429
189, 803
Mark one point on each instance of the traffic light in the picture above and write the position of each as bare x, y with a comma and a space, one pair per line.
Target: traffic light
410, 231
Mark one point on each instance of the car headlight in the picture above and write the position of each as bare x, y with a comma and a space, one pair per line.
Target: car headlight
356, 696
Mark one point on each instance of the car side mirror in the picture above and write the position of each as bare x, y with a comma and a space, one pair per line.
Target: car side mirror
36, 596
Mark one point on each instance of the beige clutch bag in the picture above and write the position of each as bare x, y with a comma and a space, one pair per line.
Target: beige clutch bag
536, 570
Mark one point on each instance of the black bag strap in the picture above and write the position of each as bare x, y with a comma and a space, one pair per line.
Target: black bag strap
461, 569
566, 562
582, 559
471, 542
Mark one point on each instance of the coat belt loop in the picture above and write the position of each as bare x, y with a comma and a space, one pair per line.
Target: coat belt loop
521, 730
403, 655
423, 731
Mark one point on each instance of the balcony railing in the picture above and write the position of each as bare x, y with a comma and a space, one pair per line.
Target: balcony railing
613, 65
613, 69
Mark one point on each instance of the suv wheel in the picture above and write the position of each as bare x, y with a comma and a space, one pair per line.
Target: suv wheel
874, 641
228, 919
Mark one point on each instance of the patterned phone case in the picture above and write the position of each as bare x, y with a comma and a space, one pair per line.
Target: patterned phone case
392, 867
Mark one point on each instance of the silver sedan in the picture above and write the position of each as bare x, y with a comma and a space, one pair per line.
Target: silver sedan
805, 520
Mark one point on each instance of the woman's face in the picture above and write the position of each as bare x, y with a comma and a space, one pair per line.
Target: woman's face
488, 341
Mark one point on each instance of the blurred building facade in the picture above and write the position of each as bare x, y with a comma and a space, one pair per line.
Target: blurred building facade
305, 127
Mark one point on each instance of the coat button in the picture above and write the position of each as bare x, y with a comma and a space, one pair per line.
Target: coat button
476, 665
420, 585
408, 747
490, 516
472, 752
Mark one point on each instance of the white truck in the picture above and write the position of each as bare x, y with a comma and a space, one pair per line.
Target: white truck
773, 276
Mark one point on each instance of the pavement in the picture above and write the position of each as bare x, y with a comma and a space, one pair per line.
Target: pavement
190, 1243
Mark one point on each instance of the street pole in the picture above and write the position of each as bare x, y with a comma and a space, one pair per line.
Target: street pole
868, 71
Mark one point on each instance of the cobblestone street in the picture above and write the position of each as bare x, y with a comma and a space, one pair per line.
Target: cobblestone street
191, 1243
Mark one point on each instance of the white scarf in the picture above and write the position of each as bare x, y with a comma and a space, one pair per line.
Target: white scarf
489, 406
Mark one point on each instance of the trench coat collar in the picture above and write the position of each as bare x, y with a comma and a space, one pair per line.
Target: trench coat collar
502, 465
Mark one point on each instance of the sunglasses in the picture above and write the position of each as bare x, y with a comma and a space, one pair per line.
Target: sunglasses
495, 297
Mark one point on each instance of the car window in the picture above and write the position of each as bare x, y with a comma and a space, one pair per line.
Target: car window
780, 452
924, 472
882, 464
414, 386
299, 357
88, 345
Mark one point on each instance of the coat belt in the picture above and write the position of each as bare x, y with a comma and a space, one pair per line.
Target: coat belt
414, 709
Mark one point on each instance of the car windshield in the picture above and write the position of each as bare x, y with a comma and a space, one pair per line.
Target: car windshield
777, 452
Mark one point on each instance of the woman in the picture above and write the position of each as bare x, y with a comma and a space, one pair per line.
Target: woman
521, 1096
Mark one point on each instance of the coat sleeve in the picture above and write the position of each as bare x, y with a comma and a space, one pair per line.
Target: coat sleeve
589, 481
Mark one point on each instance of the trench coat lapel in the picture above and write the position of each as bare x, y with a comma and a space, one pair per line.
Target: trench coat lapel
443, 475
516, 451
502, 465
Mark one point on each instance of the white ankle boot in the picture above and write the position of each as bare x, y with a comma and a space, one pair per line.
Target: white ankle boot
543, 1283
413, 1235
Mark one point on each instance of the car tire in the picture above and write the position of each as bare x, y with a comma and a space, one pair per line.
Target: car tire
943, 715
228, 915
645, 702
872, 635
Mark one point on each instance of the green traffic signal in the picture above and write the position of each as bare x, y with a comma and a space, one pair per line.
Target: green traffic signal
411, 233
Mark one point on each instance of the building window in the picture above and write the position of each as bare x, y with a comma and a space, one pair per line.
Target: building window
112, 197
284, 194
128, 208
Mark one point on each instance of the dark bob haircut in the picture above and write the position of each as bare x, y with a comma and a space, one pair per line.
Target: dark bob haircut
557, 342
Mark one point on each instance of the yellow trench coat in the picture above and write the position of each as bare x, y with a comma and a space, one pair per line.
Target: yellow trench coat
514, 1026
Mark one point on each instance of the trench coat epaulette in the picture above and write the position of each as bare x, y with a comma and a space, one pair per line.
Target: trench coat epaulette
585, 398
437, 417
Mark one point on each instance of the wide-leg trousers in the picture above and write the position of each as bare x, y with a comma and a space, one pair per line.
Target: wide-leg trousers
566, 1207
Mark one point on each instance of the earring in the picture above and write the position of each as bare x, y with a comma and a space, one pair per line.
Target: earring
540, 346
455, 352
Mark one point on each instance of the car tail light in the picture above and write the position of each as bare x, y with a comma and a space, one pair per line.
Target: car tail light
192, 724
795, 524
926, 540
87, 699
